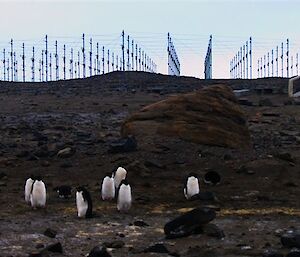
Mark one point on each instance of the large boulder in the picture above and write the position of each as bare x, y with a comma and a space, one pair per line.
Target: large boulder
209, 116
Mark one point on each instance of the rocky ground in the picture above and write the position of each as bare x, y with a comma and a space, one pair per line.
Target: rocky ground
257, 199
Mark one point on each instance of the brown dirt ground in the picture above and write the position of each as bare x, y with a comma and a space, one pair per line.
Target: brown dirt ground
254, 206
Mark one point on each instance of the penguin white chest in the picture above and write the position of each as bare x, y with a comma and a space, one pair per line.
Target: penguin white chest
38, 194
124, 198
28, 186
108, 188
192, 187
82, 205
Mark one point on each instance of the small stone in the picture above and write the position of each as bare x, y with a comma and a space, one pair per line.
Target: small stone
114, 244
271, 253
99, 251
66, 152
140, 223
157, 248
55, 248
50, 233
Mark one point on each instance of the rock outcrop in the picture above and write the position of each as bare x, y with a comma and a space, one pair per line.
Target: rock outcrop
209, 116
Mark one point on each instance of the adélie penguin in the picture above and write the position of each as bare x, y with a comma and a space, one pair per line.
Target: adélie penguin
191, 186
124, 197
108, 188
119, 175
84, 203
38, 194
28, 188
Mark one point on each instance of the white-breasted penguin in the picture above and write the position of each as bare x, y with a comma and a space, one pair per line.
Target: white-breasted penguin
124, 197
84, 203
191, 186
119, 175
108, 189
28, 188
38, 194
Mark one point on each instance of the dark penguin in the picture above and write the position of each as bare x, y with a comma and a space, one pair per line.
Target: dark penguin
84, 203
63, 191
191, 186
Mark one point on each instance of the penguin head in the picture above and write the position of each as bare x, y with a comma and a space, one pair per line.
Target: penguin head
80, 189
124, 182
192, 174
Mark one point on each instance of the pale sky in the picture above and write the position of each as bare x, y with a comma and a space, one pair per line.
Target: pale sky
147, 22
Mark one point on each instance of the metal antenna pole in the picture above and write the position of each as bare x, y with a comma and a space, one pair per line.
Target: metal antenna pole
117, 63
282, 59
78, 63
97, 58
268, 64
277, 61
287, 58
32, 67
123, 50
132, 55
23, 61
292, 66
107, 60
71, 64
272, 62
83, 56
64, 62
297, 63
46, 55
40, 69
91, 55
7, 69
4, 71
244, 62
128, 64
139, 59
103, 60
261, 67
247, 67
264, 66
16, 67
250, 55
258, 68
56, 62
112, 61
136, 57
42, 65
12, 60
50, 66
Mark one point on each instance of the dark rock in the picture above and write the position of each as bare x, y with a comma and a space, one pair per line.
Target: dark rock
123, 145
49, 232
212, 230
140, 223
99, 251
210, 116
188, 223
3, 175
155, 164
22, 154
245, 102
295, 252
284, 156
55, 248
204, 196
291, 239
39, 246
157, 248
66, 165
114, 244
265, 102
212, 177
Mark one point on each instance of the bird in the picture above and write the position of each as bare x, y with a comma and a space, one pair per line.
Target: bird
124, 197
28, 187
119, 175
84, 203
38, 194
108, 189
191, 185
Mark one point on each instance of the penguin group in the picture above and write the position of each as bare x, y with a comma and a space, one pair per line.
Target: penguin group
113, 186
